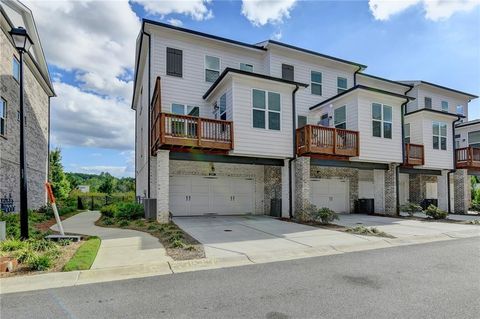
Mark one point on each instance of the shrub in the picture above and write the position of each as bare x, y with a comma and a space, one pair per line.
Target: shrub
12, 245
108, 221
140, 223
123, 223
40, 262
25, 255
475, 205
325, 215
178, 243
109, 210
435, 212
474, 222
411, 208
307, 213
41, 245
129, 211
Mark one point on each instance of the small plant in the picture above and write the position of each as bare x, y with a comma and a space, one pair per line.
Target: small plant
475, 205
40, 262
108, 221
64, 242
41, 245
411, 208
325, 215
123, 223
109, 210
152, 227
12, 245
475, 222
140, 223
25, 255
435, 212
178, 243
369, 231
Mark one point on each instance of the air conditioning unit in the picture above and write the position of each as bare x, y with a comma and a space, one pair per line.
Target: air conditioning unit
150, 208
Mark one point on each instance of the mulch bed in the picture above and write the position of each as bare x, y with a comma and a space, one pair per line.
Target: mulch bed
422, 219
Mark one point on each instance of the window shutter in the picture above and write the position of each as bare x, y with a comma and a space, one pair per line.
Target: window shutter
174, 62
287, 72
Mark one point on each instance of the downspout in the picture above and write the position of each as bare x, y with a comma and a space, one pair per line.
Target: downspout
454, 164
149, 109
48, 145
355, 76
397, 171
294, 143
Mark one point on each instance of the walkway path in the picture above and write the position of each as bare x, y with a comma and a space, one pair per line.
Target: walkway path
119, 247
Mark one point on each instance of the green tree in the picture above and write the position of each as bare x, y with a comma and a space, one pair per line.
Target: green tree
108, 183
56, 175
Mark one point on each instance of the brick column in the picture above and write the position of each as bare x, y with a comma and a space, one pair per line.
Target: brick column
163, 185
302, 184
391, 190
442, 191
417, 188
461, 186
285, 190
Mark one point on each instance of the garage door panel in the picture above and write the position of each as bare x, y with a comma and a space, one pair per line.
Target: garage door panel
330, 193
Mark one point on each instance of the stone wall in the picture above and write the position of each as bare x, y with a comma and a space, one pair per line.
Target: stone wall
391, 190
418, 186
352, 174
273, 185
302, 185
36, 128
462, 189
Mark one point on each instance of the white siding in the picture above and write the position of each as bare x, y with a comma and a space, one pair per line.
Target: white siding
463, 132
416, 129
254, 141
350, 101
382, 85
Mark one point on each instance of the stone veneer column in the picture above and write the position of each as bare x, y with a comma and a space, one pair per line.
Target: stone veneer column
391, 190
163, 185
417, 188
285, 189
442, 191
302, 183
461, 185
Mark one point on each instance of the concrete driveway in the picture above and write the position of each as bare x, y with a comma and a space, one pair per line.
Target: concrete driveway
248, 236
407, 228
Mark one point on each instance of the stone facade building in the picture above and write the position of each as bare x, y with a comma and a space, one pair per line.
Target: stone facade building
37, 92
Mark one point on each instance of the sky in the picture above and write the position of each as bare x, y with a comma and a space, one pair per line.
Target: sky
90, 49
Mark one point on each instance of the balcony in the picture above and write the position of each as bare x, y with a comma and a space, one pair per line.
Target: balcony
468, 157
414, 155
327, 142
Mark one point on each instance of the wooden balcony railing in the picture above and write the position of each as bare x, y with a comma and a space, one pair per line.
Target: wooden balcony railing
414, 155
328, 141
468, 157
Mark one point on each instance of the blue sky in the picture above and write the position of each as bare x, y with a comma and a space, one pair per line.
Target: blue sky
433, 40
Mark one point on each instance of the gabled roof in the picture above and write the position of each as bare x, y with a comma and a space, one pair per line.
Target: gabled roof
252, 74
417, 82
384, 79
360, 87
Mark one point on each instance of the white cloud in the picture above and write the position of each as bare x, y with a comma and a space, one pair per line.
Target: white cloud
261, 12
435, 10
175, 22
118, 171
85, 119
197, 9
277, 35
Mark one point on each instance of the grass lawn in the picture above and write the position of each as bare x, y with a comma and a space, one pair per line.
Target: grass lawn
85, 255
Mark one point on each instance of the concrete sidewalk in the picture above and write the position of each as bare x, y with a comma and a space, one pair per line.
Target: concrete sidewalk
119, 247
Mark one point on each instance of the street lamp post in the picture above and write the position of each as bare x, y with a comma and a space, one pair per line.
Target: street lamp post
23, 43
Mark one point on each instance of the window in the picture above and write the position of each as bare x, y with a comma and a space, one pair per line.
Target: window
222, 108
287, 72
340, 117
266, 109
439, 135
3, 116
212, 68
341, 84
444, 106
406, 132
381, 120
474, 139
174, 62
16, 69
460, 109
178, 125
428, 102
301, 121
324, 120
316, 83
246, 67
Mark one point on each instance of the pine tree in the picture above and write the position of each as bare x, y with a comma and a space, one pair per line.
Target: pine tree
56, 176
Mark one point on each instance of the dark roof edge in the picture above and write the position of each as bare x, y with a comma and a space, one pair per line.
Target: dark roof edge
257, 75
385, 80
446, 88
137, 62
361, 87
202, 34
435, 111
316, 53
469, 123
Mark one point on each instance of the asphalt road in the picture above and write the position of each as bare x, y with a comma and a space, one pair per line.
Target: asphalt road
438, 280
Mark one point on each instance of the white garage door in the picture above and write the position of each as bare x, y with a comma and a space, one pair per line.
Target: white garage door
331, 193
198, 195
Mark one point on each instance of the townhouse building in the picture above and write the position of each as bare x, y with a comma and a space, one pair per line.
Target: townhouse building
37, 92
225, 127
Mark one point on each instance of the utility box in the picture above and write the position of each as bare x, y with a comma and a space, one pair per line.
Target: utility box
150, 208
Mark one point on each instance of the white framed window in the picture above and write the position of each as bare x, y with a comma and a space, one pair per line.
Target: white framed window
3, 117
16, 69
266, 110
460, 109
222, 107
406, 132
474, 139
246, 67
428, 102
183, 109
444, 106
381, 120
439, 132
340, 117
180, 127
212, 68
342, 84
316, 82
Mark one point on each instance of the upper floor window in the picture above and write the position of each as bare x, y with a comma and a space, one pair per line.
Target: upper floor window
212, 68
246, 67
444, 106
174, 62
16, 69
316, 83
183, 109
460, 109
287, 72
428, 102
324, 120
266, 109
3, 116
301, 121
341, 85
474, 139
340, 117
406, 132
381, 120
222, 107
439, 135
